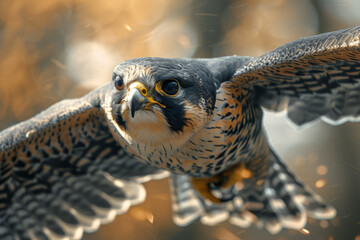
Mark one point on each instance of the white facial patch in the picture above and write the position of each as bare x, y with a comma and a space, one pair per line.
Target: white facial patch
147, 126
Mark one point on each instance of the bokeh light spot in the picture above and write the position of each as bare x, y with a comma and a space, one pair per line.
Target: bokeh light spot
320, 183
90, 64
324, 223
128, 27
321, 170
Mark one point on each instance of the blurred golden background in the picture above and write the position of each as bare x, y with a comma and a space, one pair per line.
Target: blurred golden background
58, 49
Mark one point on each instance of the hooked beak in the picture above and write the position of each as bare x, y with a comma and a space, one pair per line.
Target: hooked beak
136, 101
138, 98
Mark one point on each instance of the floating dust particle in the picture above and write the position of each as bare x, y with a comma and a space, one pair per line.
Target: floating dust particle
305, 231
331, 238
345, 216
141, 214
324, 224
127, 27
224, 234
150, 218
320, 183
321, 170
353, 167
57, 63
357, 237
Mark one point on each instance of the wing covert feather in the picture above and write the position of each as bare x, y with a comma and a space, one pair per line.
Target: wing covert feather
62, 173
314, 77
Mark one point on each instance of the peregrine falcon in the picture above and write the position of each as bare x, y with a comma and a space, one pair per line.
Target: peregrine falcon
82, 161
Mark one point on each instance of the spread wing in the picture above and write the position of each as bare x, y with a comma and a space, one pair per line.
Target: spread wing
62, 173
318, 76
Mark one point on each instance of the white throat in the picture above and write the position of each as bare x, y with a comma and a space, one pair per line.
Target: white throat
147, 127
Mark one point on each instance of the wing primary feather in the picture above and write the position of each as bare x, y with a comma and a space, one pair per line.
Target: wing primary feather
311, 77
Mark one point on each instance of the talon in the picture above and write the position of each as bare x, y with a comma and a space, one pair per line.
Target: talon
226, 179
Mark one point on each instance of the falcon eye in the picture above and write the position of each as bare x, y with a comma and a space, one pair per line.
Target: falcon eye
119, 83
170, 87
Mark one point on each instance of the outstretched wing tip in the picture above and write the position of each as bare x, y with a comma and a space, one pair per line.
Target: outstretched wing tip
74, 175
314, 77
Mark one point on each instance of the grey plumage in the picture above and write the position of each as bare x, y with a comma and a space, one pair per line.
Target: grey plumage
314, 77
82, 161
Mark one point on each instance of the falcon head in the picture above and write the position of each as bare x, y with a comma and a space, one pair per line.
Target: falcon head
157, 101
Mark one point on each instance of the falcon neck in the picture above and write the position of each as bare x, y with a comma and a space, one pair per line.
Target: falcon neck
234, 135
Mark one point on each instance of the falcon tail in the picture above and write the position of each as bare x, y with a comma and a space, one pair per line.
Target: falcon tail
279, 201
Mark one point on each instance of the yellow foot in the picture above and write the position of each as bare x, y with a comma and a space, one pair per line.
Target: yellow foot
226, 179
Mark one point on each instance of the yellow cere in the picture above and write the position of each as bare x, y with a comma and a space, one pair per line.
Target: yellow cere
143, 90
